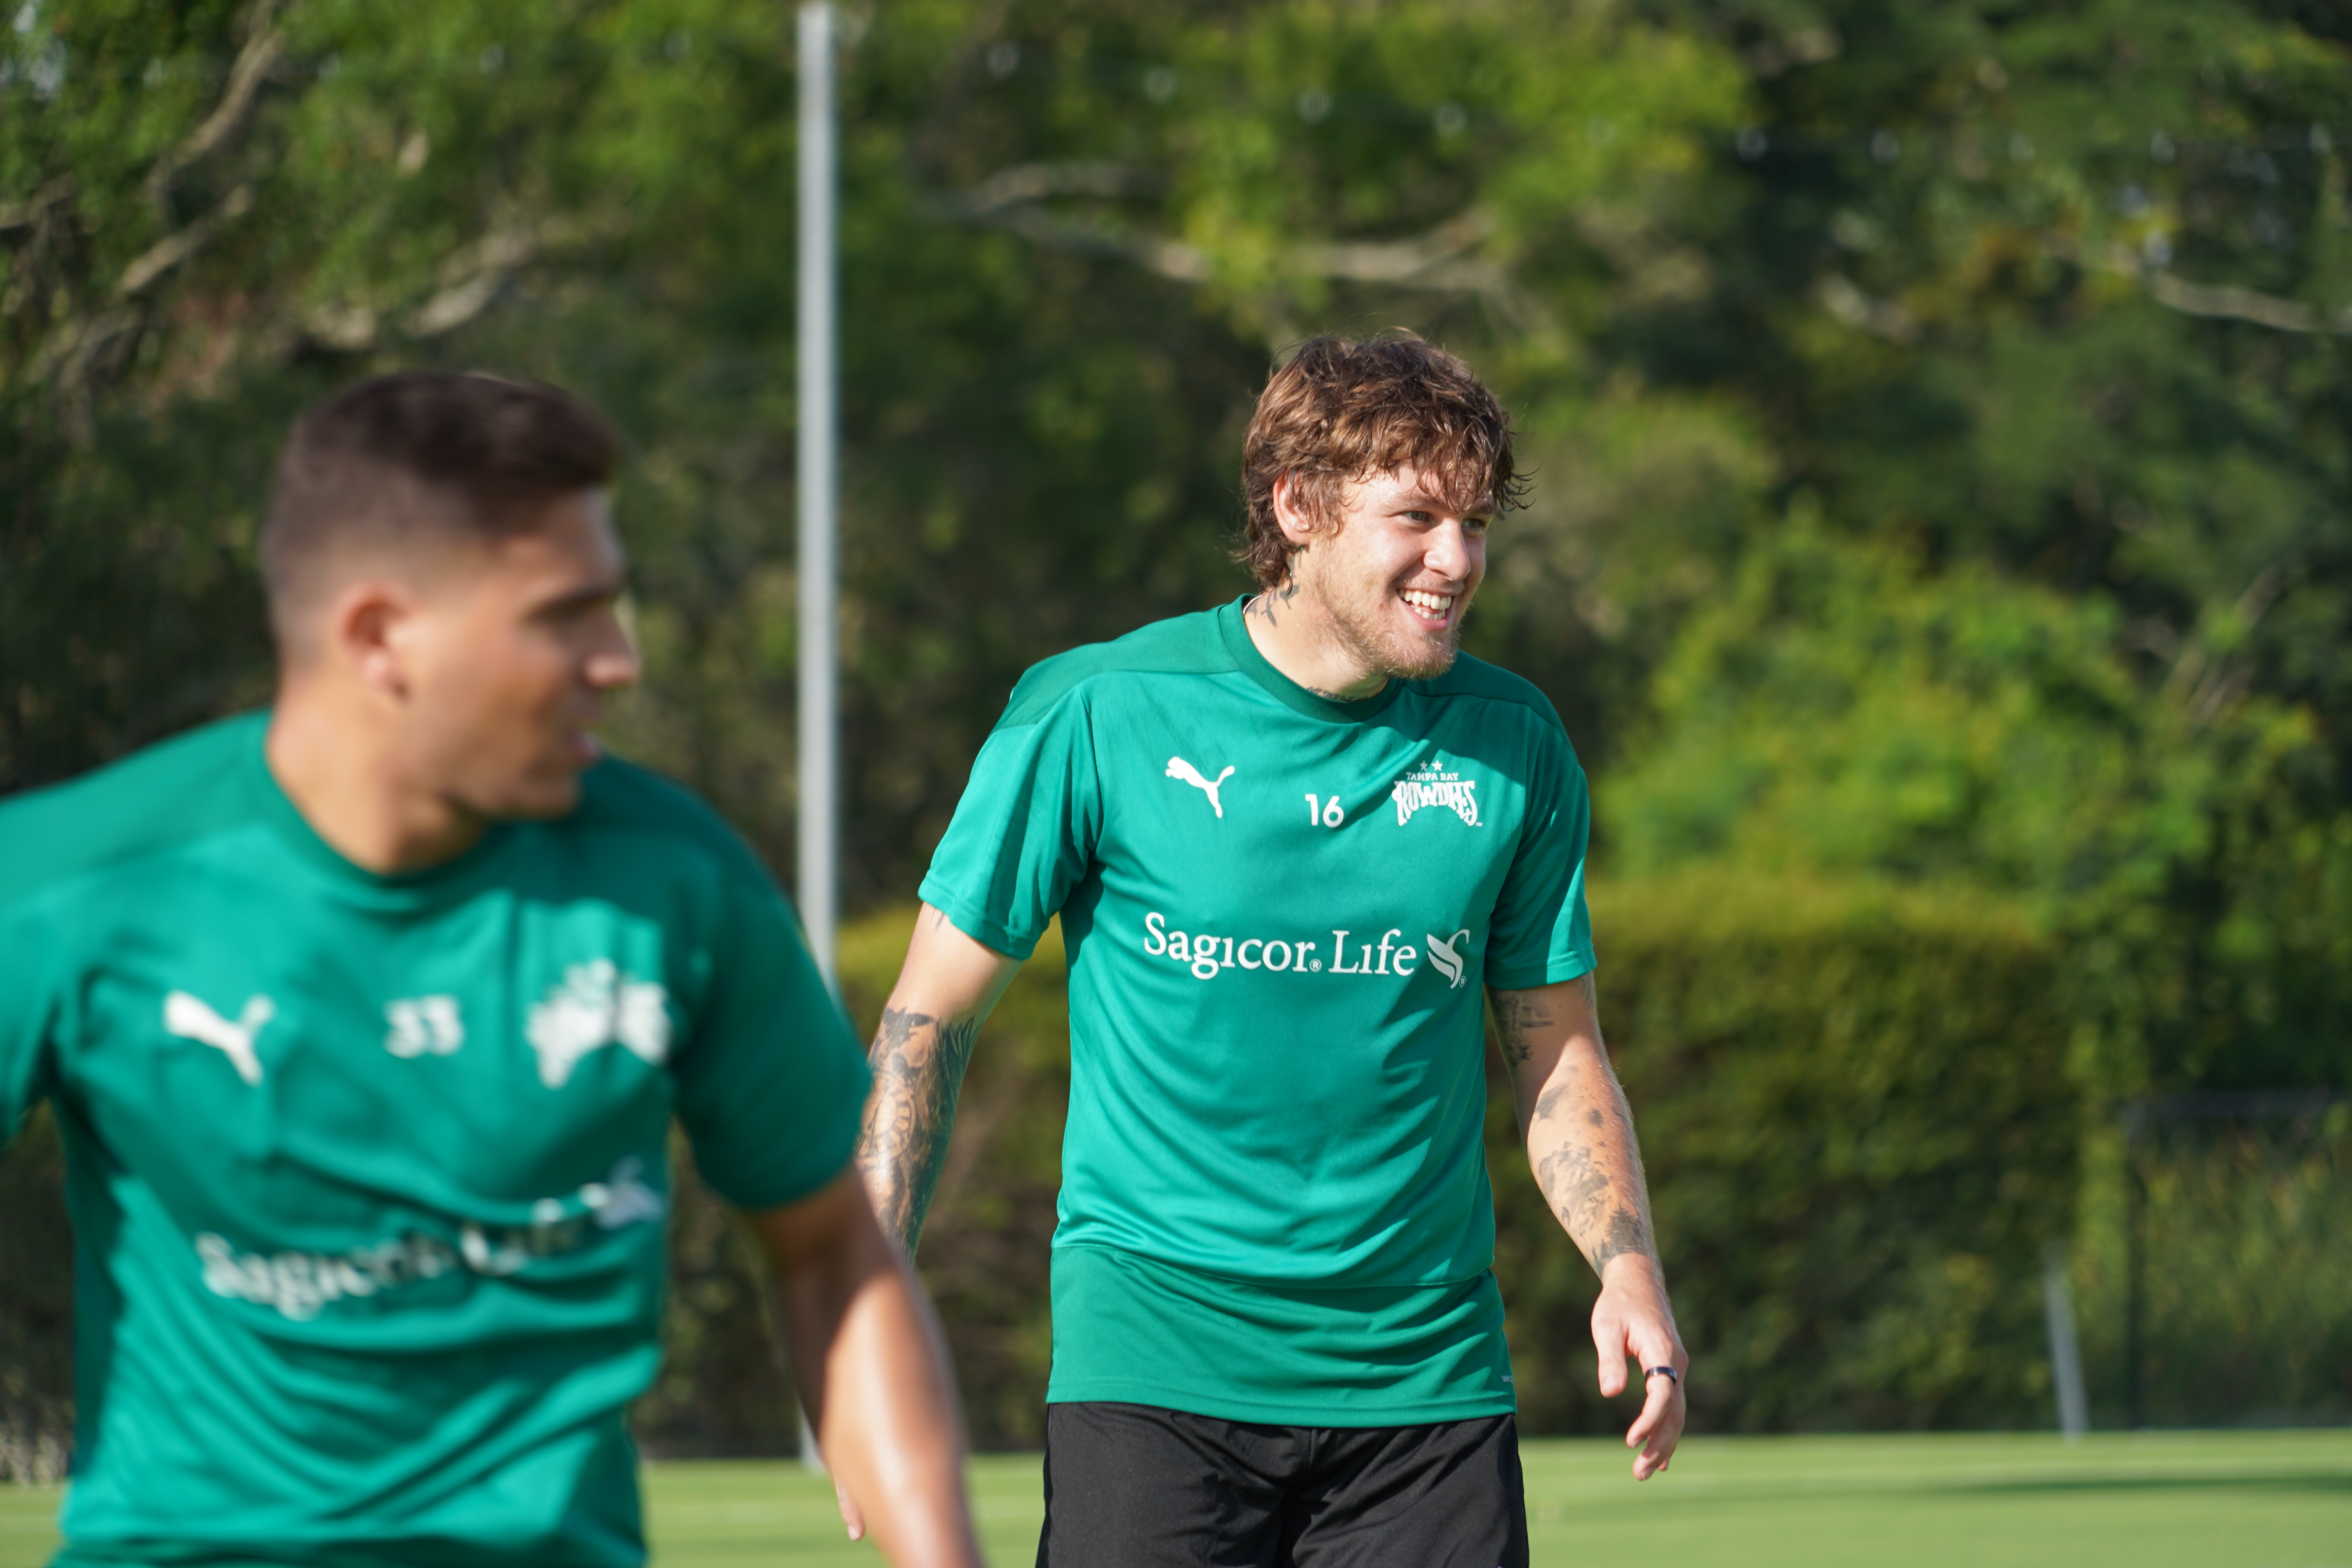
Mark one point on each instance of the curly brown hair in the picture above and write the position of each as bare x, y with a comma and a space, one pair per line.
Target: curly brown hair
1339, 410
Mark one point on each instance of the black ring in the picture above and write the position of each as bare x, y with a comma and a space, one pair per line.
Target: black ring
1667, 1371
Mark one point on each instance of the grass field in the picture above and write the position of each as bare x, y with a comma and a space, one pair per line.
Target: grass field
2261, 1500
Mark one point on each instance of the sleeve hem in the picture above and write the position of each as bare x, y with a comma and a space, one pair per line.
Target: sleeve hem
753, 1196
970, 920
1570, 966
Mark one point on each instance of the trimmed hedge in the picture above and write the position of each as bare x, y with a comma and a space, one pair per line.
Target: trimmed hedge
1861, 1133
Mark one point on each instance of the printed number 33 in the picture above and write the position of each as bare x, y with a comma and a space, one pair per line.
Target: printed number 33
1327, 812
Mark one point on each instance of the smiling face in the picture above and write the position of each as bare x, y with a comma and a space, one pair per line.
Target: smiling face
505, 656
1393, 573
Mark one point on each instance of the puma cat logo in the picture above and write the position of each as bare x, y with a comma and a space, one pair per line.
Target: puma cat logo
190, 1019
1178, 768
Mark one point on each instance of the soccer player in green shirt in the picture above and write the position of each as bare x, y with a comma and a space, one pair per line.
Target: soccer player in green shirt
366, 1020
1292, 843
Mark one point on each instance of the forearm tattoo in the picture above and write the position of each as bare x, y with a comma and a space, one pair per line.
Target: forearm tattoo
1599, 1201
918, 1063
1581, 1137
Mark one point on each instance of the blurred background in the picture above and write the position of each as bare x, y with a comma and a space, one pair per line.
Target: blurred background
1940, 548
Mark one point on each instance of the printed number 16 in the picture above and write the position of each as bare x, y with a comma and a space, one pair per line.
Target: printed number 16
1329, 814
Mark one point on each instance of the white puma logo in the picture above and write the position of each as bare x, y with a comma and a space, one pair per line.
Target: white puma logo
1178, 768
191, 1020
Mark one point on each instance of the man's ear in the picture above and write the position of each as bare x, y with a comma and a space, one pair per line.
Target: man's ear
367, 632
1294, 513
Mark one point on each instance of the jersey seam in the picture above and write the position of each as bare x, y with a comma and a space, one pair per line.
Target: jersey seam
1282, 1410
965, 914
1543, 713
77, 881
1078, 687
1537, 705
1269, 1286
1584, 964
729, 870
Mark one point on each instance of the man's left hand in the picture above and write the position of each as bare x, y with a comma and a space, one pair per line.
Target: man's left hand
1631, 1318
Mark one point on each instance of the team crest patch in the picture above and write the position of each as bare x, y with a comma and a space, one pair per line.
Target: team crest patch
597, 1005
1431, 785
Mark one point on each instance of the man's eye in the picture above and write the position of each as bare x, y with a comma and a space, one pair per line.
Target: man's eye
573, 612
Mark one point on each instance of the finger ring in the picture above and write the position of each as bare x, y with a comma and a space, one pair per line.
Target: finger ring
1665, 1372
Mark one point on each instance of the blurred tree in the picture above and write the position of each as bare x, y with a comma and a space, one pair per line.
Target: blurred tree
2056, 294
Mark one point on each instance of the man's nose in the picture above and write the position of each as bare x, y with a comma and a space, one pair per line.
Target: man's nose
1450, 553
613, 663
614, 667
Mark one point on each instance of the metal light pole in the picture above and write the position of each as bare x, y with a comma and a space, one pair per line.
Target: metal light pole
2066, 1350
820, 439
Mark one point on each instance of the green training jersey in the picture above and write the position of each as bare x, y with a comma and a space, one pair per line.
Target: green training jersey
368, 1174
1279, 912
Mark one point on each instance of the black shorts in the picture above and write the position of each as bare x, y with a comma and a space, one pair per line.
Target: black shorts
1132, 1486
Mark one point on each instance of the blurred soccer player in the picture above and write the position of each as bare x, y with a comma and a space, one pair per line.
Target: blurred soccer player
1292, 842
365, 1019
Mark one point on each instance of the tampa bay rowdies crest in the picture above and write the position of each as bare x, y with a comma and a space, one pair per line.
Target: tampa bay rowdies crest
1430, 786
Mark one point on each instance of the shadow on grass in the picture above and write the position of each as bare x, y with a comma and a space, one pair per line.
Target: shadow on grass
2028, 1485
1813, 1495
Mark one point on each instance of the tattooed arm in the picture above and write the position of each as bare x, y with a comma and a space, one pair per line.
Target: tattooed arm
934, 1014
1579, 1139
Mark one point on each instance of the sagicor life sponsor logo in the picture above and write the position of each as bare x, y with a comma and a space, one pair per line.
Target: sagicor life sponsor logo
1209, 953
298, 1284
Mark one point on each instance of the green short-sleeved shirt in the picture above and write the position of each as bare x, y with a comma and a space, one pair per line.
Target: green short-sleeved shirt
1280, 912
368, 1173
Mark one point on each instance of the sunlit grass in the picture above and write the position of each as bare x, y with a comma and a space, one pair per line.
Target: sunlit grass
2259, 1500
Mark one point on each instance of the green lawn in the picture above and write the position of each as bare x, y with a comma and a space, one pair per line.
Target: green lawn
2261, 1500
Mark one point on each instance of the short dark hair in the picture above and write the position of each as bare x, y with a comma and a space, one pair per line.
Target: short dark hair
424, 456
1342, 410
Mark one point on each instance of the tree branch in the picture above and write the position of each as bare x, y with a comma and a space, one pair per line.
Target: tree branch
178, 246
1040, 182
1437, 262
465, 285
2219, 301
2230, 302
26, 214
1837, 294
471, 278
263, 46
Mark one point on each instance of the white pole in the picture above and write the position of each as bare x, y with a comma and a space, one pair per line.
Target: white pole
2065, 1353
820, 435
820, 719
